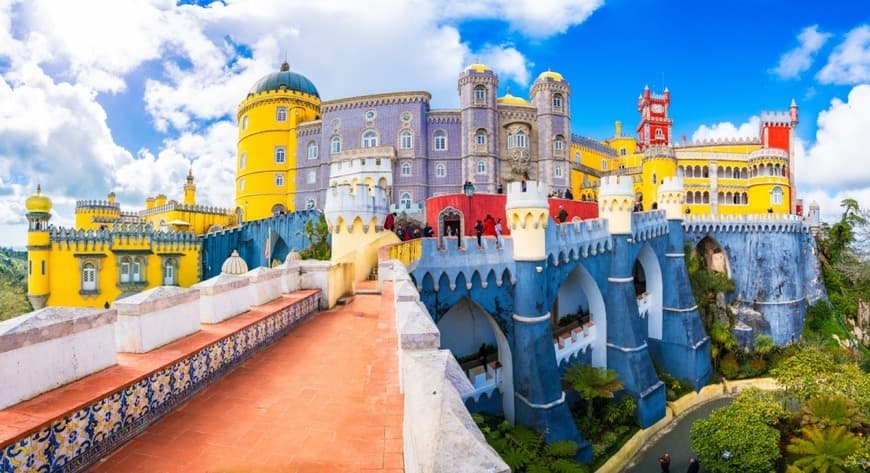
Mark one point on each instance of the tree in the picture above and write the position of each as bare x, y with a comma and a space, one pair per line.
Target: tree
706, 284
812, 372
524, 450
591, 383
317, 233
824, 451
830, 411
740, 437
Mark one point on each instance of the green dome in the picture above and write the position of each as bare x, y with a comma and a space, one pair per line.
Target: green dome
287, 79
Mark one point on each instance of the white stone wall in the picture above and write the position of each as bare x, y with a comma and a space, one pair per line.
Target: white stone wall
48, 348
290, 280
222, 297
155, 317
266, 284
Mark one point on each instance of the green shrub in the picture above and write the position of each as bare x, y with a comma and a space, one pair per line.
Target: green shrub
729, 366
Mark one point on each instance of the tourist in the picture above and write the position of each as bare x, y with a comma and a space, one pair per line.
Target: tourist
478, 229
481, 355
489, 225
500, 189
563, 214
498, 233
390, 221
427, 231
568, 194
665, 462
694, 466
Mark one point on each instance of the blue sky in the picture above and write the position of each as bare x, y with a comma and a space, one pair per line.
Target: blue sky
129, 105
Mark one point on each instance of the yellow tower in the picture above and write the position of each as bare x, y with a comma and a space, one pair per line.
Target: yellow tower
190, 190
38, 248
527, 212
659, 162
615, 203
769, 189
268, 118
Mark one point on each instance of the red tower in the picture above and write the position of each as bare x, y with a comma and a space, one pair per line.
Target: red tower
655, 126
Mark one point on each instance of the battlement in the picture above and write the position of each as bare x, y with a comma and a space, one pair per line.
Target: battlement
532, 195
671, 184
579, 239
345, 203
650, 224
659, 152
775, 118
781, 223
175, 205
121, 234
767, 153
85, 205
344, 171
744, 140
612, 186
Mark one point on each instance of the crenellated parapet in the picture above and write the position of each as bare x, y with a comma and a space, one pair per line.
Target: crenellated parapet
443, 117
84, 205
659, 152
780, 223
731, 140
345, 204
456, 267
672, 197
776, 118
579, 239
177, 206
376, 100
527, 211
647, 225
616, 202
768, 153
368, 170
123, 236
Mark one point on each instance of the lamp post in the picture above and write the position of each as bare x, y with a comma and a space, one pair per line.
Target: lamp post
468, 189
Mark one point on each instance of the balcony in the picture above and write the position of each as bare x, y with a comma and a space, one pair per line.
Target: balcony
406, 208
573, 339
485, 378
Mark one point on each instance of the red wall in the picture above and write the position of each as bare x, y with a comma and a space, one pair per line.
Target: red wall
493, 204
777, 137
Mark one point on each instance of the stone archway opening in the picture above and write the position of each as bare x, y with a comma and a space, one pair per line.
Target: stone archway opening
647, 275
450, 224
712, 255
482, 350
580, 319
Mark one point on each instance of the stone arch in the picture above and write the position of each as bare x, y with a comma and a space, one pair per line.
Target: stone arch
649, 290
569, 300
450, 218
464, 328
713, 254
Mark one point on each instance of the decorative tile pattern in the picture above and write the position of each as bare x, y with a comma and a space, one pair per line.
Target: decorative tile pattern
75, 442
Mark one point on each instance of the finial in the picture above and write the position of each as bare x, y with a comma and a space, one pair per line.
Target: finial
38, 189
793, 103
285, 66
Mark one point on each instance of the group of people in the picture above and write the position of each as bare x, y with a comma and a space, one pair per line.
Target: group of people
406, 232
560, 194
489, 227
665, 464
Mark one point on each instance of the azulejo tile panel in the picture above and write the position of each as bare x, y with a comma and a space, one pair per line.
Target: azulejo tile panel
77, 440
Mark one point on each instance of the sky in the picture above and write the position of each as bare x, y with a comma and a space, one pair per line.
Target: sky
127, 96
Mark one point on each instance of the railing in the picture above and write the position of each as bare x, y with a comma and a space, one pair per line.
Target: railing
484, 378
407, 252
570, 343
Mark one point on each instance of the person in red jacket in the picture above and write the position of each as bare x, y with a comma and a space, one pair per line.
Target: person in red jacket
489, 225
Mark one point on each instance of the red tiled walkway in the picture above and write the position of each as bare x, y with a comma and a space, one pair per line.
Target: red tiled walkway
325, 398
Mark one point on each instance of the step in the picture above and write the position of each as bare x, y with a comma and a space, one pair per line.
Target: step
345, 300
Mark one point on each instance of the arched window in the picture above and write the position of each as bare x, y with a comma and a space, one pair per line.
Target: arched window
776, 196
603, 164
623, 151
312, 150
136, 272
241, 183
281, 114
406, 169
706, 171
557, 102
369, 139
280, 155
440, 140
480, 137
89, 277
169, 272
279, 179
245, 122
690, 198
481, 167
743, 173
720, 197
577, 157
559, 143
440, 170
745, 199
243, 160
480, 95
769, 170
125, 269
521, 139
335, 144
660, 135
405, 200
511, 141
720, 173
406, 140
783, 171
310, 204
698, 197
706, 197
557, 171
279, 209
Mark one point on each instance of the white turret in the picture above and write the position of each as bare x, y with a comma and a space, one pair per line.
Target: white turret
616, 202
671, 197
527, 211
355, 215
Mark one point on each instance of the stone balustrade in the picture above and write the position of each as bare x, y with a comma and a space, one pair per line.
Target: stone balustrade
265, 284
222, 297
153, 318
569, 344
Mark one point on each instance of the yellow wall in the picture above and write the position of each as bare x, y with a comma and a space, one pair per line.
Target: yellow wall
658, 167
199, 222
258, 142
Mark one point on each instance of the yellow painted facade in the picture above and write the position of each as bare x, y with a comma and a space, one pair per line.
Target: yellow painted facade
267, 148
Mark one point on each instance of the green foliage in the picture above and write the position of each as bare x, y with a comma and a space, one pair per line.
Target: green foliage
592, 383
824, 451
745, 430
812, 372
729, 366
524, 450
826, 411
764, 345
317, 233
621, 413
706, 284
13, 283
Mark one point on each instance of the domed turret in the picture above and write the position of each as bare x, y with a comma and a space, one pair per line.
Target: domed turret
284, 79
551, 75
508, 99
234, 265
38, 203
478, 67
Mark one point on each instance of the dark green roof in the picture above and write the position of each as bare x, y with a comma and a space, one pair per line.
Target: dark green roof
286, 78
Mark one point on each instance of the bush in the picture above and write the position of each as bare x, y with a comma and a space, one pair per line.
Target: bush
729, 366
753, 367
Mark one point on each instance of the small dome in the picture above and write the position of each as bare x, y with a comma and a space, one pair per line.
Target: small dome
551, 75
478, 67
38, 203
234, 265
293, 256
286, 79
509, 99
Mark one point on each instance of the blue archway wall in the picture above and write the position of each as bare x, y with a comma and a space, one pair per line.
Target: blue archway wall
285, 234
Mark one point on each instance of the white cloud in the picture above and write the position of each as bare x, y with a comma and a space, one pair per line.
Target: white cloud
850, 61
534, 18
748, 129
507, 62
799, 59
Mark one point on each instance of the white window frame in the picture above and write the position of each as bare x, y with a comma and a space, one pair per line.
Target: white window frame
369, 139
335, 144
311, 177
511, 141
405, 169
522, 139
245, 122
241, 183
480, 167
406, 139
439, 140
313, 149
660, 135
125, 271
280, 155
310, 204
279, 179
440, 170
406, 200
623, 151
281, 114
557, 171
169, 272
558, 144
480, 137
480, 95
89, 277
136, 270
776, 195
603, 164
557, 102
243, 160
577, 157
